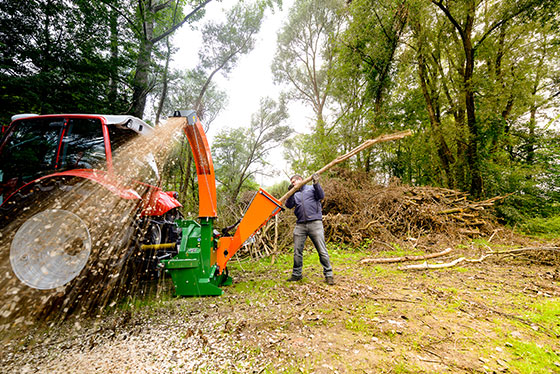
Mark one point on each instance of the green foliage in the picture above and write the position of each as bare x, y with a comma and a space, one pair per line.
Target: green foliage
298, 151
279, 189
185, 91
542, 226
55, 57
303, 62
225, 42
406, 65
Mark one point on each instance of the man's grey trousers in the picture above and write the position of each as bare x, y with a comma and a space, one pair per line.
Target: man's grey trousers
315, 231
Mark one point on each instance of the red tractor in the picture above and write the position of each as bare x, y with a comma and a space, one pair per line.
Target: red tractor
61, 192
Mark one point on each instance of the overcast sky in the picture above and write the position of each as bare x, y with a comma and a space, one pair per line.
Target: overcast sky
250, 81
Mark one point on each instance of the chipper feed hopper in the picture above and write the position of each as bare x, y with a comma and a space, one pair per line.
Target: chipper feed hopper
199, 268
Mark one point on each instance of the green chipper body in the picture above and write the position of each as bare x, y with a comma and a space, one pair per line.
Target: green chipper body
199, 268
194, 270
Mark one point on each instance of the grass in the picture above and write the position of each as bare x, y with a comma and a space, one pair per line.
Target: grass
364, 318
400, 252
148, 301
401, 366
546, 314
533, 358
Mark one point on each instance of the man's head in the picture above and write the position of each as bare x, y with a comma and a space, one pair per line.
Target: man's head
295, 179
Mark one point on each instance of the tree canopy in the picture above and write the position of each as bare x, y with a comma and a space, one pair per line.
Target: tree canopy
477, 81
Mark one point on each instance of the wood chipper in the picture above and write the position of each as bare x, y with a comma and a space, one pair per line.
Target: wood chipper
199, 268
75, 205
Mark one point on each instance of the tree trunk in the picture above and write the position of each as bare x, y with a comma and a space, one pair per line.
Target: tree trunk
531, 140
460, 166
140, 83
473, 156
113, 87
472, 152
164, 83
432, 104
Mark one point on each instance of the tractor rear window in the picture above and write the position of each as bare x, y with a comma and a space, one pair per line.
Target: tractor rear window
30, 149
83, 146
120, 136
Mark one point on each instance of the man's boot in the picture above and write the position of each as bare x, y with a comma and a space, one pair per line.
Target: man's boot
294, 278
329, 280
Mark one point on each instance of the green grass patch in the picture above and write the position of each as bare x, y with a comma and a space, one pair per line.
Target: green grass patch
461, 269
399, 365
260, 266
546, 314
255, 286
364, 318
377, 271
533, 358
363, 247
260, 290
400, 252
338, 256
150, 300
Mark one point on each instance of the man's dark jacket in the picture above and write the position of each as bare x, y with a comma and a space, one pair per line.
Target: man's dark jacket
307, 203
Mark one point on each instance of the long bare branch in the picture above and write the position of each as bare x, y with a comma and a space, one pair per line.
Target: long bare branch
339, 159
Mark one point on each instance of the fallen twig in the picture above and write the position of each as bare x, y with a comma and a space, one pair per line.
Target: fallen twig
405, 258
516, 250
425, 265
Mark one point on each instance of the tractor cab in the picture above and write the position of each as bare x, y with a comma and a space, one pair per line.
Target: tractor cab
33, 146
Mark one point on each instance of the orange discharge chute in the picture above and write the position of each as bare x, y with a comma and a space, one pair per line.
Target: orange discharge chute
204, 166
263, 207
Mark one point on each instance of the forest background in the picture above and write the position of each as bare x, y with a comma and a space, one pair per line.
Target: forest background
478, 83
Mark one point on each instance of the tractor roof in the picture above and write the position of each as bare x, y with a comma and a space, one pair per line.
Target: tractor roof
124, 121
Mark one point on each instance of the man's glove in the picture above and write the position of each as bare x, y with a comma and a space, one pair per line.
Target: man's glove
315, 178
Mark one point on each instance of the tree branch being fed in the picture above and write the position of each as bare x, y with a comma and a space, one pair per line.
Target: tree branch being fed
339, 159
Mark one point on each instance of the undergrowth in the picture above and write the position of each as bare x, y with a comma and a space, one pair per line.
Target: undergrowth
547, 228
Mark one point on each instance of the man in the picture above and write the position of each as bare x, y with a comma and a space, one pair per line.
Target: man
308, 210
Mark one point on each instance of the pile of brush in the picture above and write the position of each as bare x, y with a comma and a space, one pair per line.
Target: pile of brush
355, 208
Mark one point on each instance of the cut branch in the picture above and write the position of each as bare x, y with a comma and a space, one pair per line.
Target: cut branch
405, 258
426, 266
517, 250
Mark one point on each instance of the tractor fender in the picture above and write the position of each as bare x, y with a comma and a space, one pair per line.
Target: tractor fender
101, 177
96, 176
158, 203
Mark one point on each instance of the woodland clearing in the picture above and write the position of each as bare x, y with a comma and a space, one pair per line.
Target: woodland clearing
501, 315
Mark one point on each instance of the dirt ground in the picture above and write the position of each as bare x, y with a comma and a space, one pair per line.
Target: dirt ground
501, 315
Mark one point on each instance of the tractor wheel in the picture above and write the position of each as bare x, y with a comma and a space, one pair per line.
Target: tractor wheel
50, 249
55, 227
63, 239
